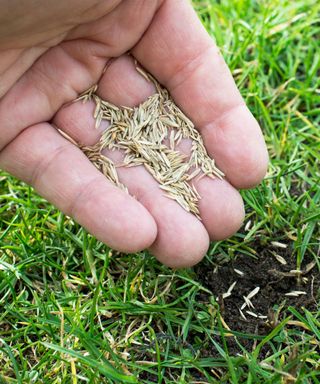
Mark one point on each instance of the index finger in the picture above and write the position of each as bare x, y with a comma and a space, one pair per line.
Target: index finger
178, 51
62, 174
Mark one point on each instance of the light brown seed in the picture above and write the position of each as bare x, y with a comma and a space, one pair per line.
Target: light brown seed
141, 133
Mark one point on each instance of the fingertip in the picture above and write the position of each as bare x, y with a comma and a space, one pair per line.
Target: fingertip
182, 247
257, 167
221, 208
117, 219
113, 83
138, 230
77, 121
236, 143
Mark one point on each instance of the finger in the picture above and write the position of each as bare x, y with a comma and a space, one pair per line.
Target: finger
181, 240
182, 56
77, 121
221, 207
62, 174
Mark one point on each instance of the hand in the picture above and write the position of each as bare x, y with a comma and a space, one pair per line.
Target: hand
60, 50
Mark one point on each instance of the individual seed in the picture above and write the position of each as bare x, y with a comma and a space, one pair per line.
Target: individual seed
252, 314
295, 293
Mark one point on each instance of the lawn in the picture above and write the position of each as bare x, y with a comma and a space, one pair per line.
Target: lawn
74, 311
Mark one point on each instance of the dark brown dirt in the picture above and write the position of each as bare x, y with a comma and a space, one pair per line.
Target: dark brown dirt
274, 280
265, 272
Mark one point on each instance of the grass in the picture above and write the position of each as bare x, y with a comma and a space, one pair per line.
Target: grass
73, 311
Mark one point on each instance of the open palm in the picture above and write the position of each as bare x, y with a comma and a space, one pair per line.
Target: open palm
65, 57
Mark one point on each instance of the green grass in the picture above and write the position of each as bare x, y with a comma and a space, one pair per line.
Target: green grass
72, 311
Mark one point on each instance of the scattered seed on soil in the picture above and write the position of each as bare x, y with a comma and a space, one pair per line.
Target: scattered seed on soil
142, 134
296, 271
253, 293
310, 266
238, 272
228, 293
242, 315
247, 226
278, 245
295, 293
279, 258
247, 303
273, 286
251, 313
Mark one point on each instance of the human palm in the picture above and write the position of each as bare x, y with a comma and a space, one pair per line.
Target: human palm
61, 51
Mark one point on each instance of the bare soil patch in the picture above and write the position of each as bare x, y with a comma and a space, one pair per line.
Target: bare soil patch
275, 281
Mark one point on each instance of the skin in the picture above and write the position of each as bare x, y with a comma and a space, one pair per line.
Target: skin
51, 53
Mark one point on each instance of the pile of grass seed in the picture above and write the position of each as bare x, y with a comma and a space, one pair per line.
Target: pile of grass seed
149, 135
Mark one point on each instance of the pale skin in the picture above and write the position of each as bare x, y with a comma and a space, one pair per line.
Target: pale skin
53, 50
